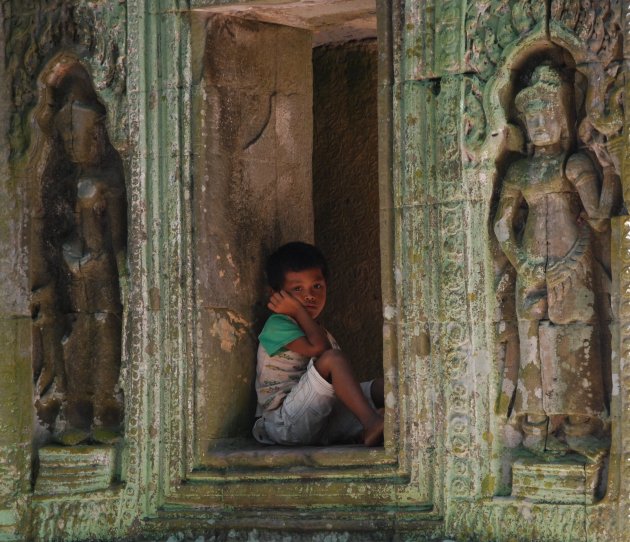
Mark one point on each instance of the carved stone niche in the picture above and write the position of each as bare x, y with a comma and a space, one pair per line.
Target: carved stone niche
287, 150
78, 235
253, 190
552, 222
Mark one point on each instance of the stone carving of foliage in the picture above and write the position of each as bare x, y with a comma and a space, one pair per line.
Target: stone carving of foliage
597, 24
492, 25
36, 31
455, 341
505, 521
473, 120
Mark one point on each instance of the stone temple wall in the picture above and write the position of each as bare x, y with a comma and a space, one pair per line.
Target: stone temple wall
345, 196
252, 193
151, 155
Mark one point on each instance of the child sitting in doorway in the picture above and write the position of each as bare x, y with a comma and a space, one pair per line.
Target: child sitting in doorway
306, 391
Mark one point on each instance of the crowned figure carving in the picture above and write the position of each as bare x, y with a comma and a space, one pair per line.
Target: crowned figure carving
78, 238
552, 224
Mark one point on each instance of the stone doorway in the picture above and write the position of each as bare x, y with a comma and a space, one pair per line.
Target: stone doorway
285, 144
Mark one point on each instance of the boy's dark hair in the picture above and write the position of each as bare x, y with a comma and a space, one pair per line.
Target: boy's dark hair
294, 256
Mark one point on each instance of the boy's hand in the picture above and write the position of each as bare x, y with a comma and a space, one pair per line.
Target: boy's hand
283, 302
315, 341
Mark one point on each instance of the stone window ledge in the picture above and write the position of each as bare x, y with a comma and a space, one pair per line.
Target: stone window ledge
247, 454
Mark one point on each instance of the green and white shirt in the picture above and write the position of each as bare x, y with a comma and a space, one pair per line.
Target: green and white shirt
279, 369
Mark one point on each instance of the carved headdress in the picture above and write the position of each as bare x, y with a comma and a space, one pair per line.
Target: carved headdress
547, 91
543, 91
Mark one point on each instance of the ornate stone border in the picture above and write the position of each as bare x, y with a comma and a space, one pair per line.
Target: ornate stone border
431, 279
161, 373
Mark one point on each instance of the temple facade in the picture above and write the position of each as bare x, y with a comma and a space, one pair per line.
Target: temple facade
462, 165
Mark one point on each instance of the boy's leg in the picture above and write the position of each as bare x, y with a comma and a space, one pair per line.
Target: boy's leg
303, 415
377, 391
343, 427
334, 367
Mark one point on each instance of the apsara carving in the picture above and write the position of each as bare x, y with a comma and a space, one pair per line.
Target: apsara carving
36, 34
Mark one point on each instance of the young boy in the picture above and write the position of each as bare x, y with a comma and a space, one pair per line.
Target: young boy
307, 393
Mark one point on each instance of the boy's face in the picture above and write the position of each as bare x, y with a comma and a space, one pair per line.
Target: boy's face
309, 288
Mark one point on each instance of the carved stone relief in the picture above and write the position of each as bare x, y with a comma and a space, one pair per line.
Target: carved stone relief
591, 31
552, 223
504, 33
442, 255
433, 42
454, 331
78, 240
492, 26
597, 26
36, 31
33, 31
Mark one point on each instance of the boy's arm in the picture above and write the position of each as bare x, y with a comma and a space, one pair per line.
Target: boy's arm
315, 342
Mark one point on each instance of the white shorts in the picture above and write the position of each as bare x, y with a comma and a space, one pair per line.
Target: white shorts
311, 414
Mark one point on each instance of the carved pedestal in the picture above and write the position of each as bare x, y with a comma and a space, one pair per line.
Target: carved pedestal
566, 480
75, 469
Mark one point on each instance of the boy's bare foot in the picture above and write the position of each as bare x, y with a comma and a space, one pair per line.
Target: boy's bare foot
373, 433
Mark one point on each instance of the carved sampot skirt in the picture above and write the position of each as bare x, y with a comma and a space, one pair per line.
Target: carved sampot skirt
560, 371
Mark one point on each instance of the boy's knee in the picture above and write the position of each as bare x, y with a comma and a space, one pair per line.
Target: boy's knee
325, 362
328, 357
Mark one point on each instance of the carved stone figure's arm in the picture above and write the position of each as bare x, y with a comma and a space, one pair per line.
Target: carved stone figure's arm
597, 204
509, 204
611, 190
47, 111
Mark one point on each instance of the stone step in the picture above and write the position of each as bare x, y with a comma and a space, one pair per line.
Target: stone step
566, 480
75, 469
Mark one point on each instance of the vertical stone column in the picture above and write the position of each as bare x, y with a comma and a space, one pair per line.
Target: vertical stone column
16, 409
15, 425
441, 222
252, 192
31, 33
417, 263
620, 448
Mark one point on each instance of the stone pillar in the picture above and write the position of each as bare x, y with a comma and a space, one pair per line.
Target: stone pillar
16, 409
252, 192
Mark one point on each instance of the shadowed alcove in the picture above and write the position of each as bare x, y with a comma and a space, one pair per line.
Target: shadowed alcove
285, 148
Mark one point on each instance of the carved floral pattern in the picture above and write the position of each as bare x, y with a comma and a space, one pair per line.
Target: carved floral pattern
473, 120
454, 342
492, 26
448, 35
596, 23
505, 522
432, 40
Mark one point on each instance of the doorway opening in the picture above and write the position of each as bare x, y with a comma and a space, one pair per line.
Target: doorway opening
286, 146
